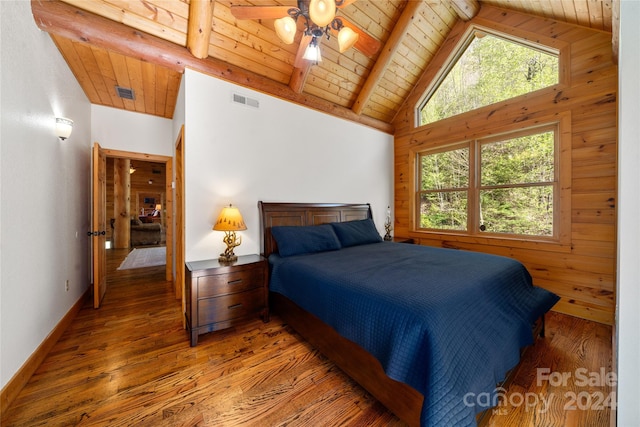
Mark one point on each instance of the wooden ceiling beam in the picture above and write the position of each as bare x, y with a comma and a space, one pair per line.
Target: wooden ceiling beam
389, 49
466, 9
299, 61
58, 18
301, 66
299, 78
199, 27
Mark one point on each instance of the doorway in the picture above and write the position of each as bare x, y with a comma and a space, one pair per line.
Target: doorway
149, 201
141, 212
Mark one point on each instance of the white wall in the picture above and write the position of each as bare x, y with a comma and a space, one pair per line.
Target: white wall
44, 188
628, 307
279, 152
130, 131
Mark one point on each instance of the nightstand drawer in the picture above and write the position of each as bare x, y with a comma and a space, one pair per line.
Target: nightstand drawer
227, 307
237, 281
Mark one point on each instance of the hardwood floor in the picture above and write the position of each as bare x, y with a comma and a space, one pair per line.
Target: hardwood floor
130, 363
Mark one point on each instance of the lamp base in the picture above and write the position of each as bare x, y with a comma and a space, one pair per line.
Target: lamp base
387, 229
227, 259
232, 242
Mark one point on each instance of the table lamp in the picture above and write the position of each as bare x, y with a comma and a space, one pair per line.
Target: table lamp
230, 220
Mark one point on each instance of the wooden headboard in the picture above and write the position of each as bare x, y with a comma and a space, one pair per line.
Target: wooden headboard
298, 214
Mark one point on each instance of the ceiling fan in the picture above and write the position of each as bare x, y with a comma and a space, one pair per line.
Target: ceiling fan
318, 18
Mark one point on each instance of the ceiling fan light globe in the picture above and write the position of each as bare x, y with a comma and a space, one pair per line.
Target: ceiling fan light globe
322, 12
346, 39
312, 53
285, 29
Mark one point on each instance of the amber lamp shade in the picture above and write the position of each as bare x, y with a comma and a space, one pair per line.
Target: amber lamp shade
285, 29
346, 39
230, 220
322, 12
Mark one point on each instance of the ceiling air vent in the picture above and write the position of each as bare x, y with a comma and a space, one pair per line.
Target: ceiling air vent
125, 92
250, 102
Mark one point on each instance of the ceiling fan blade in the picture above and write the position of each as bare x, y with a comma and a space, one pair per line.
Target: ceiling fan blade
346, 3
365, 44
260, 12
300, 62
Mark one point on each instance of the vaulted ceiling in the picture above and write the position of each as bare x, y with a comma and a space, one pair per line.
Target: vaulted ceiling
145, 45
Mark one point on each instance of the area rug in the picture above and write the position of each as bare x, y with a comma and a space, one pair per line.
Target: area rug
144, 257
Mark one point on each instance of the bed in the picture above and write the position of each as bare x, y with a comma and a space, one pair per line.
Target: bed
424, 330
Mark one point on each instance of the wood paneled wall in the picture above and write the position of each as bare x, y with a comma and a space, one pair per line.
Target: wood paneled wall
583, 271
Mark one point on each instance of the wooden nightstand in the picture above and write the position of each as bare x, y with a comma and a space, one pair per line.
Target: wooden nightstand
219, 295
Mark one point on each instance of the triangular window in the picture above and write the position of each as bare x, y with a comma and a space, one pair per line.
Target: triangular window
488, 69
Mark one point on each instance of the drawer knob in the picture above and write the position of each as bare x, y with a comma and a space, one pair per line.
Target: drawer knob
233, 282
233, 307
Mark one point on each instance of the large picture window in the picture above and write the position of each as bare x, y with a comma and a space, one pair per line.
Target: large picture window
502, 186
488, 69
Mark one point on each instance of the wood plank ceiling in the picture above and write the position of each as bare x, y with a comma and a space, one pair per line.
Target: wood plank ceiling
145, 45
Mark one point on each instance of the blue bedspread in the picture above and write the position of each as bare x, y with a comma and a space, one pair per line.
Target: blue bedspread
444, 321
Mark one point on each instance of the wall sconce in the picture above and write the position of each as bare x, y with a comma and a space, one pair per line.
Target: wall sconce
230, 221
63, 127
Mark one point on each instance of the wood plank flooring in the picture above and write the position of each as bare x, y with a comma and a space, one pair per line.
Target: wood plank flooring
130, 363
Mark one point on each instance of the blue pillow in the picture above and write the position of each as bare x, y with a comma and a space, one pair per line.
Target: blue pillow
359, 232
292, 240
